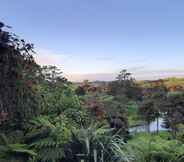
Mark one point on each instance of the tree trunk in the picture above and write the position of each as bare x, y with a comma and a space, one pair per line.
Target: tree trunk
157, 125
148, 127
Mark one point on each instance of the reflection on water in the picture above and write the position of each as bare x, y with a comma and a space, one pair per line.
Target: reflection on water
153, 127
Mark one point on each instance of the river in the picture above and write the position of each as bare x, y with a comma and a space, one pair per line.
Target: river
153, 127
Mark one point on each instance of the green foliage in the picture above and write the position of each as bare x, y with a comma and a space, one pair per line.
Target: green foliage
180, 132
125, 87
51, 146
133, 116
156, 148
18, 84
14, 151
174, 111
121, 152
64, 101
147, 111
98, 144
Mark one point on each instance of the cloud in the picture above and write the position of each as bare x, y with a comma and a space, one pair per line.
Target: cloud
156, 74
48, 57
137, 68
138, 75
77, 68
105, 58
92, 77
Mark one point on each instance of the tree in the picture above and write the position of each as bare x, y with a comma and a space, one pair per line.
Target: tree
124, 75
123, 90
158, 96
52, 74
51, 145
93, 104
80, 91
96, 143
148, 112
174, 111
125, 87
116, 114
19, 99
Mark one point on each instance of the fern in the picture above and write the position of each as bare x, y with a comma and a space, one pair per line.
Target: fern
14, 151
51, 147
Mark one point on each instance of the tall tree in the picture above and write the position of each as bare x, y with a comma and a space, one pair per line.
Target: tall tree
148, 112
125, 87
159, 98
174, 111
18, 83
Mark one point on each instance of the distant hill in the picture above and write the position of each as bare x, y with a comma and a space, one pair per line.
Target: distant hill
171, 83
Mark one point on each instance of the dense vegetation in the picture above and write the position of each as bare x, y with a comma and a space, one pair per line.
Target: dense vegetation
46, 118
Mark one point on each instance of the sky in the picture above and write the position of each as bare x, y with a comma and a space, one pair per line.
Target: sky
95, 39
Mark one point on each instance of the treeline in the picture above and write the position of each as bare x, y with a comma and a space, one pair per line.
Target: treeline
172, 84
147, 101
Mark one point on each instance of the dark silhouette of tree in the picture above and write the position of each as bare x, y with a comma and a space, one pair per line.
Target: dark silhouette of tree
125, 87
124, 76
18, 73
80, 91
148, 112
52, 77
116, 114
174, 111
156, 92
158, 96
52, 74
119, 123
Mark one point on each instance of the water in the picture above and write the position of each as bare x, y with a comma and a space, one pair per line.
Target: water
153, 127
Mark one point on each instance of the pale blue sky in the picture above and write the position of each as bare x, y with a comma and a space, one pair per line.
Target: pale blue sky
103, 36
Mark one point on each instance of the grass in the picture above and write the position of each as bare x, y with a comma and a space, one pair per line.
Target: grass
156, 147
